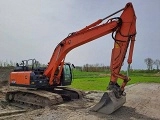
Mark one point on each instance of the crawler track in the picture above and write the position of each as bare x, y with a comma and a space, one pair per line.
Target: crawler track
36, 98
41, 98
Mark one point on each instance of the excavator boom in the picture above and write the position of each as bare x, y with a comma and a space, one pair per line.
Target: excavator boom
123, 31
74, 40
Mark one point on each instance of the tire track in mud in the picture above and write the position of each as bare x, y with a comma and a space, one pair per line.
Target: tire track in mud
10, 114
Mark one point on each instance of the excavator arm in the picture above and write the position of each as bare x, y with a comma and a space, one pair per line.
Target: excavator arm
123, 31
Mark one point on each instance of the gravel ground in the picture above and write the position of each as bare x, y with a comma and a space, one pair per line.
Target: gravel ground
143, 103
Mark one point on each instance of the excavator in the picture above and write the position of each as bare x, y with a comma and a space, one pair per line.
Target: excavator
47, 86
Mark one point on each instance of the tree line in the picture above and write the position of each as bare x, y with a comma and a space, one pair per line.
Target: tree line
95, 67
7, 63
101, 67
150, 63
12, 64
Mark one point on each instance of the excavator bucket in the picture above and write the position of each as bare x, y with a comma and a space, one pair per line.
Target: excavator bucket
109, 103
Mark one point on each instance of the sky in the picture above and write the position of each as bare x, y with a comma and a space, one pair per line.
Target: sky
33, 28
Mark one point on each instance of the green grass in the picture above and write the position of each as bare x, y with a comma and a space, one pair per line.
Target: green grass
90, 83
100, 80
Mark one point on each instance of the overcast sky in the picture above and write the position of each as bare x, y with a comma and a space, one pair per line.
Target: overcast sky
33, 28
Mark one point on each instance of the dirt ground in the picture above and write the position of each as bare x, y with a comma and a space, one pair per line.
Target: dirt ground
4, 75
143, 103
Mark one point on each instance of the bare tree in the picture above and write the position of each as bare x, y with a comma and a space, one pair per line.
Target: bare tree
149, 62
157, 63
85, 67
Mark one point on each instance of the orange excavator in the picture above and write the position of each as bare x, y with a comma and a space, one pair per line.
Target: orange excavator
46, 86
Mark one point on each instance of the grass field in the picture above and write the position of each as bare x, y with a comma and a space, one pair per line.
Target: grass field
100, 80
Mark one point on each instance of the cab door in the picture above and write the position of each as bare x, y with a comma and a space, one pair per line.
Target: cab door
66, 75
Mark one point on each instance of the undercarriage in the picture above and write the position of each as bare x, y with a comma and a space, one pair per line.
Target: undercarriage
42, 98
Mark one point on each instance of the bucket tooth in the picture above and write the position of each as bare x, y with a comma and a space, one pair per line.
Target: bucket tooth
109, 103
